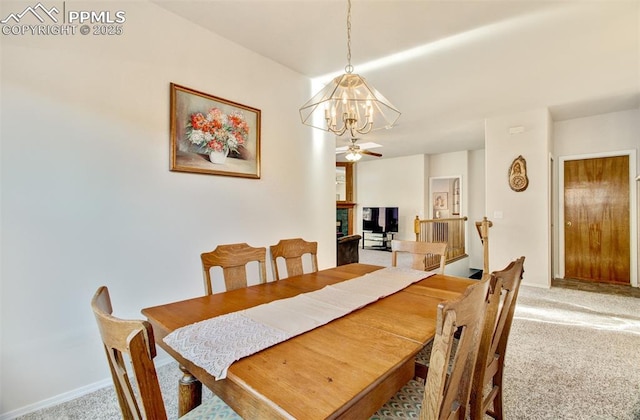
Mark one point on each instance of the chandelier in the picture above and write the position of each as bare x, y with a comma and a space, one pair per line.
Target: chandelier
348, 103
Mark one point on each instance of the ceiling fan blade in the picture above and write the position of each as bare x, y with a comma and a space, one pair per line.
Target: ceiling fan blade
367, 152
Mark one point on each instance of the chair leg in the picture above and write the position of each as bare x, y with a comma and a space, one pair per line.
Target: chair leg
497, 401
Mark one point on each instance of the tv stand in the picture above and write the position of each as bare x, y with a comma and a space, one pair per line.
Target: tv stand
377, 240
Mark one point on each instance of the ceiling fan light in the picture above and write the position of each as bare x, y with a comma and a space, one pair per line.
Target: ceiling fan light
353, 156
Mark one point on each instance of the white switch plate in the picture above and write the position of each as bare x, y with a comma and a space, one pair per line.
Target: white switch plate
497, 214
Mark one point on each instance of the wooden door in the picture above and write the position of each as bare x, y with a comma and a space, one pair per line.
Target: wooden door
596, 214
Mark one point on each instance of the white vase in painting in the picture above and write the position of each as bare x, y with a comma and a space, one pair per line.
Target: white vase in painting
218, 157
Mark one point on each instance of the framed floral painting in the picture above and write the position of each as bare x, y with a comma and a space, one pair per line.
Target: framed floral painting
211, 135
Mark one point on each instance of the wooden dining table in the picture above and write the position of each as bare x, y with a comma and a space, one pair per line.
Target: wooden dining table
346, 369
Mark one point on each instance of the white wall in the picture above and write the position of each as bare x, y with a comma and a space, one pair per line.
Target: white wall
600, 135
485, 178
521, 220
475, 198
451, 165
88, 198
387, 182
396, 182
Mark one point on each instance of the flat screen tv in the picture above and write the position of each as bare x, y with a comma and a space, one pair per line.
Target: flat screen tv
380, 219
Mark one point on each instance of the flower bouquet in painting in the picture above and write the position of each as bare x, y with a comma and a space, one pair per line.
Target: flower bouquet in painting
218, 134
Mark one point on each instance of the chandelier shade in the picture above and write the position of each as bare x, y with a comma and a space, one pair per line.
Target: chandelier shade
348, 104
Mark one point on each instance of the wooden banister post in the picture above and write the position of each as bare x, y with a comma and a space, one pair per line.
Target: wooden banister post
484, 232
416, 227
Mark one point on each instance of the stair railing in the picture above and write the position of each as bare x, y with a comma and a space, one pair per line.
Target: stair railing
449, 230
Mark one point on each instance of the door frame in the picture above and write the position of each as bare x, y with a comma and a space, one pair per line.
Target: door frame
633, 209
451, 180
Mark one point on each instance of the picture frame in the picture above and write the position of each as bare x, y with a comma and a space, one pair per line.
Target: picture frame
212, 135
440, 200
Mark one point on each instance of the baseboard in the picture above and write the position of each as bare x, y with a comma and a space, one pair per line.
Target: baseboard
58, 399
71, 395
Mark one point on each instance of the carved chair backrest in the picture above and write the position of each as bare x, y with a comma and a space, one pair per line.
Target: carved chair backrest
490, 363
292, 251
133, 339
233, 259
448, 386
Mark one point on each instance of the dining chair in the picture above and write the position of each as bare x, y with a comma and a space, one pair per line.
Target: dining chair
425, 255
446, 391
486, 394
233, 259
131, 343
292, 252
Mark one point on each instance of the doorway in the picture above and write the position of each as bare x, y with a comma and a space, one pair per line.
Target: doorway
597, 236
445, 200
345, 206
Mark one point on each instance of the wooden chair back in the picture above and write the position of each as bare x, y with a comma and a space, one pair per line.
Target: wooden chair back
486, 395
233, 259
292, 251
425, 254
133, 339
448, 387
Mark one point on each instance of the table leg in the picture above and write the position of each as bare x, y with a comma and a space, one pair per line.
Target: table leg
189, 392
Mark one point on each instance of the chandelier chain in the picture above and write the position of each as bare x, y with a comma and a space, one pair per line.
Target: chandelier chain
349, 68
348, 104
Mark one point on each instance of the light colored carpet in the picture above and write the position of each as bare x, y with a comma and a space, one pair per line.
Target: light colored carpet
571, 355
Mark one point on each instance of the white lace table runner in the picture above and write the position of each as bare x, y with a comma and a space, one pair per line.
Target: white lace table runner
214, 344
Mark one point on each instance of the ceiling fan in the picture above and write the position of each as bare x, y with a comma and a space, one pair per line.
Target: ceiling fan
354, 152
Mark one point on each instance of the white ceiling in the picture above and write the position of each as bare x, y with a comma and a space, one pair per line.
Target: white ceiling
447, 65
